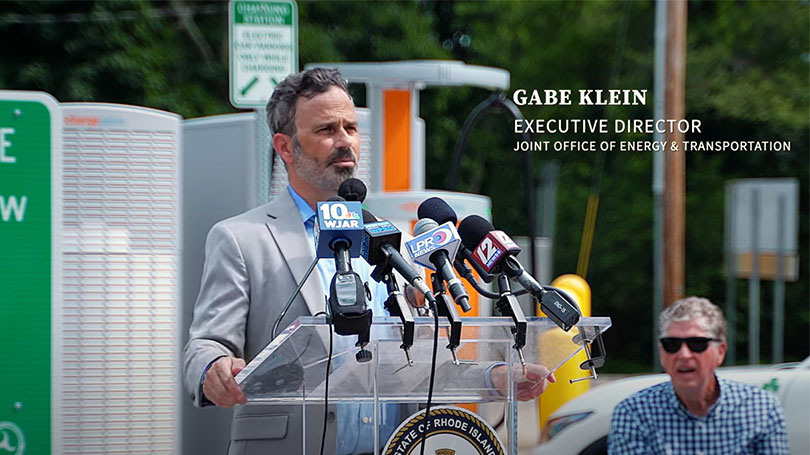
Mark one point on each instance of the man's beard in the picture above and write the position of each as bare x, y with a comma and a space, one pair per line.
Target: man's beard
323, 175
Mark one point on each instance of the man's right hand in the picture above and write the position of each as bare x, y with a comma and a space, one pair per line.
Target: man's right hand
219, 385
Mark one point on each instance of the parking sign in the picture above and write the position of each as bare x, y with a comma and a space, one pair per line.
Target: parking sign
264, 48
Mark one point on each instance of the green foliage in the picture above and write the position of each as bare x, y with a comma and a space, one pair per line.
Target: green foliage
370, 31
131, 52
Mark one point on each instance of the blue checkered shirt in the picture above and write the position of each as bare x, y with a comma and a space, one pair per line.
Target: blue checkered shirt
743, 420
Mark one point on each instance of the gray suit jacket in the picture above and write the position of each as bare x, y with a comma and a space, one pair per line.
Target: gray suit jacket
252, 264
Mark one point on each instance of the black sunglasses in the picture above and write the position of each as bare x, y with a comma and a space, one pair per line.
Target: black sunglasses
696, 344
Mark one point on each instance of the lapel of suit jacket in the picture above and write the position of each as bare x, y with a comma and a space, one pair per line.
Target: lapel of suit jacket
287, 229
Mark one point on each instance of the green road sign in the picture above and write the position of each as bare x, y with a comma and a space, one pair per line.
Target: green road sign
264, 48
30, 143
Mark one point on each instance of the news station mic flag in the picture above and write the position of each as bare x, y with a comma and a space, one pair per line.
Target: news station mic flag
435, 247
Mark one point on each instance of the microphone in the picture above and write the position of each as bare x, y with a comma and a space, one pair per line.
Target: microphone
438, 210
494, 250
430, 248
352, 189
335, 235
465, 254
339, 232
381, 240
379, 250
434, 246
490, 249
339, 236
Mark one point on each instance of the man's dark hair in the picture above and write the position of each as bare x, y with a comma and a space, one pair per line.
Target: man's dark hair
281, 106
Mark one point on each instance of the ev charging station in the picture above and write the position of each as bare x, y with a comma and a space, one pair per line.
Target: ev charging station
121, 232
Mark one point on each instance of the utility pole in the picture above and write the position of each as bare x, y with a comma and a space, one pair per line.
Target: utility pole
658, 177
674, 159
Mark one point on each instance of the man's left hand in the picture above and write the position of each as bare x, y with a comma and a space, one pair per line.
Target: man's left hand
529, 385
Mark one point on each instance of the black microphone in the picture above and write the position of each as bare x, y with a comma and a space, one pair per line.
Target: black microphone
369, 217
435, 247
338, 236
381, 239
338, 231
353, 189
438, 210
380, 245
381, 249
495, 251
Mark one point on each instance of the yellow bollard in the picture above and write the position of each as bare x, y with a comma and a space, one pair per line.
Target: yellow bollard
559, 393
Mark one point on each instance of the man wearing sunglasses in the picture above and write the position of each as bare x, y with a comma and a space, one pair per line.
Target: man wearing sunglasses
695, 412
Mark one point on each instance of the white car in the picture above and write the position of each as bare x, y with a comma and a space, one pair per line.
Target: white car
581, 426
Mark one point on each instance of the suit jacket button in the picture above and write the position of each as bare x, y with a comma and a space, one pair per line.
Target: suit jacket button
330, 416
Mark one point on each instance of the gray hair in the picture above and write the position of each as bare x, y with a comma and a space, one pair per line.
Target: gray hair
307, 84
706, 314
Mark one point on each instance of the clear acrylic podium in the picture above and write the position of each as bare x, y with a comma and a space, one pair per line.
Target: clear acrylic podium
292, 369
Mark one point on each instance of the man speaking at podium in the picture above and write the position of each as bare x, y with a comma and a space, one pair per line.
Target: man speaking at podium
253, 262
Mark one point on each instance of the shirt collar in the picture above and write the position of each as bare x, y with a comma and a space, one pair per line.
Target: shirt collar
304, 209
676, 403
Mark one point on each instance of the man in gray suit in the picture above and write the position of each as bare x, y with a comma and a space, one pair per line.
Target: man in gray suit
254, 260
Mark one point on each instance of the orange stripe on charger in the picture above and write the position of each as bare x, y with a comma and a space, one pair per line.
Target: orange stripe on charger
396, 140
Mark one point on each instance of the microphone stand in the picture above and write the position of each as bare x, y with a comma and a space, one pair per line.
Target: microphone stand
397, 305
508, 306
343, 265
594, 347
292, 297
448, 309
464, 254
466, 273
